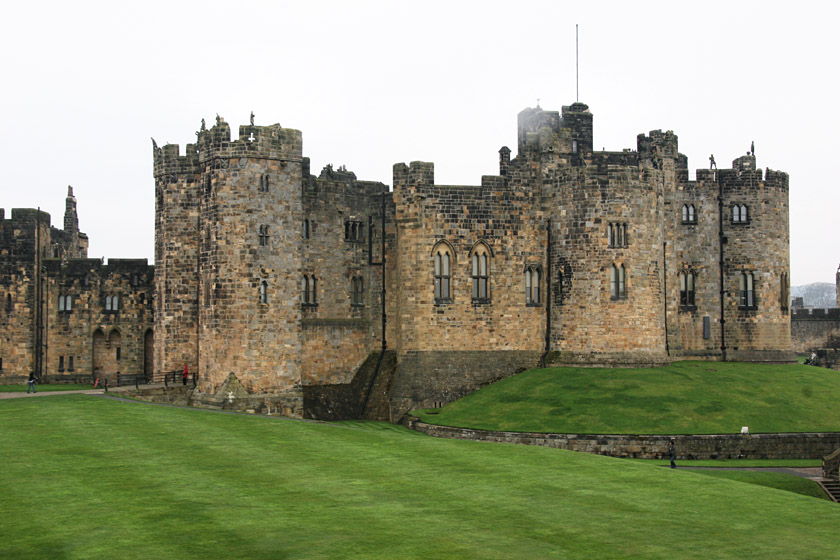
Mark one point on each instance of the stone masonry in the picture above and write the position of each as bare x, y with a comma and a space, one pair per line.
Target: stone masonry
271, 279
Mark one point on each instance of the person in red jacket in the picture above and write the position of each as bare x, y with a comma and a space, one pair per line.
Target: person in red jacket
185, 375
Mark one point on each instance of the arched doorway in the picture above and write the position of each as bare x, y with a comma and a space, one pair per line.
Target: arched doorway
99, 353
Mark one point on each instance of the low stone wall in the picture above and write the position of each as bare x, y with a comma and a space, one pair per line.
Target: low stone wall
728, 446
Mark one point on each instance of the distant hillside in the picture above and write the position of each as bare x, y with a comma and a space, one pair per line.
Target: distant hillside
818, 294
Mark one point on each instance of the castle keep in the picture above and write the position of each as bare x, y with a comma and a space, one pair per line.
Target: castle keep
66, 317
327, 296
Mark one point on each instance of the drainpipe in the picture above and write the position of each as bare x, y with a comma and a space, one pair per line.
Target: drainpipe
547, 294
665, 293
721, 242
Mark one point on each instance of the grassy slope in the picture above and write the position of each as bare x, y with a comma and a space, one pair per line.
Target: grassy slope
685, 398
87, 477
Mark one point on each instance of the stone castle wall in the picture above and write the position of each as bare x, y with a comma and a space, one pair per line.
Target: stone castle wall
811, 329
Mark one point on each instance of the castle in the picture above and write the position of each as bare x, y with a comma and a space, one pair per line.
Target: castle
94, 319
331, 297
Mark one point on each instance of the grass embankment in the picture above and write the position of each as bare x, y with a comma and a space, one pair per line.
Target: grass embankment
780, 481
684, 398
88, 477
45, 388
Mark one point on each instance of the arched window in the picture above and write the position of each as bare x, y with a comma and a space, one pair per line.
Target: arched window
740, 214
481, 274
68, 303
687, 288
264, 183
264, 291
611, 235
443, 276
108, 303
617, 234
736, 213
115, 303
745, 217
60, 304
309, 294
685, 213
617, 282
263, 236
533, 275
691, 217
746, 290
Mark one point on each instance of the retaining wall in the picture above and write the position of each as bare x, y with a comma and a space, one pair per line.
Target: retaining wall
728, 446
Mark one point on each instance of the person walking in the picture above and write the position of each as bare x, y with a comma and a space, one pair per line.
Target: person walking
185, 374
672, 454
31, 385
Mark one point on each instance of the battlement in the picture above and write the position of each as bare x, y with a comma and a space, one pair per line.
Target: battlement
540, 130
28, 216
168, 160
658, 144
79, 268
262, 142
832, 314
416, 174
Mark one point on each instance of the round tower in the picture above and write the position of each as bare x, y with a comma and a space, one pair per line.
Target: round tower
250, 267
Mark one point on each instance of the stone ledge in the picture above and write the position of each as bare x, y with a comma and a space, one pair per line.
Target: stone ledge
714, 446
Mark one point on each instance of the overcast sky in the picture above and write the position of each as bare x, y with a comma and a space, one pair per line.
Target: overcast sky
87, 84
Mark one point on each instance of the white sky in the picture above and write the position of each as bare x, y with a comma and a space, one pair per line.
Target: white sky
86, 84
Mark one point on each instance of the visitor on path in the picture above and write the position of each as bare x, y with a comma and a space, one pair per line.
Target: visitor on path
672, 453
185, 374
31, 385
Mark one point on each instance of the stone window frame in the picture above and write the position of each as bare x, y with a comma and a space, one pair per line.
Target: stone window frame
618, 282
740, 214
70, 363
443, 257
354, 231
65, 303
264, 183
746, 290
263, 292
112, 303
481, 260
689, 214
9, 306
263, 235
307, 232
688, 289
617, 234
60, 364
357, 291
309, 290
533, 279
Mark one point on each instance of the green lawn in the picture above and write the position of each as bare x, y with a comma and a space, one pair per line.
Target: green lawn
780, 481
48, 387
89, 477
684, 398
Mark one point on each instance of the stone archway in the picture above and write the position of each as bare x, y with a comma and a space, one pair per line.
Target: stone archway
99, 353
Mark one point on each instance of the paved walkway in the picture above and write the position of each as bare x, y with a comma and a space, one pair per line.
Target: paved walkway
25, 395
804, 472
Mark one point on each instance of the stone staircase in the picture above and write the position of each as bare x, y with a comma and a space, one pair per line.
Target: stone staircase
831, 487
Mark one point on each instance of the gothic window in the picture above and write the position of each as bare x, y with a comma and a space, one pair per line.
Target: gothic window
533, 275
617, 282
688, 214
442, 274
481, 274
264, 183
309, 295
617, 235
112, 303
263, 291
354, 231
687, 288
263, 236
746, 289
358, 291
740, 214
784, 292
